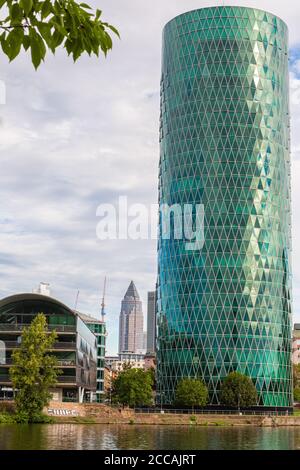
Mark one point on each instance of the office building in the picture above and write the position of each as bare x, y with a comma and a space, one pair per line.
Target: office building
225, 146
75, 348
151, 322
117, 363
98, 327
131, 322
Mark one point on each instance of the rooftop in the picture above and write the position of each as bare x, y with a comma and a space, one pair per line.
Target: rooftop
132, 291
88, 318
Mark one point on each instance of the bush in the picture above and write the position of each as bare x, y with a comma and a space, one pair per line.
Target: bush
6, 418
38, 418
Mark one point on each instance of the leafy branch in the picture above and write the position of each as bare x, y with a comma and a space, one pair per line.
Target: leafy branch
38, 25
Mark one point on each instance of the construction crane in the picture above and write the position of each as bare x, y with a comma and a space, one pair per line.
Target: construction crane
103, 302
76, 301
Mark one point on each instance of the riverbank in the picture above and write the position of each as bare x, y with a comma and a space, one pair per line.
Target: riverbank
89, 413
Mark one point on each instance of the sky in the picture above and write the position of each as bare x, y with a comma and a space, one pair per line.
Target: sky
74, 136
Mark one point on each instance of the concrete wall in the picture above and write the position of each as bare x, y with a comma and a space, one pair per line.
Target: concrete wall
98, 413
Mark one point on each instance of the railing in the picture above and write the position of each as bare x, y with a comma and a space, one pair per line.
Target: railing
7, 362
59, 345
64, 345
19, 327
211, 412
63, 363
60, 363
11, 344
5, 378
66, 380
60, 379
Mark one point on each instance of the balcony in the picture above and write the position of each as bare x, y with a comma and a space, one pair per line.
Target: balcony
60, 363
11, 344
17, 328
66, 363
69, 346
67, 380
5, 379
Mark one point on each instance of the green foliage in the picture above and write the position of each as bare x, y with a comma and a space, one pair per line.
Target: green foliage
297, 394
191, 392
151, 371
38, 25
34, 370
238, 390
133, 387
296, 375
6, 418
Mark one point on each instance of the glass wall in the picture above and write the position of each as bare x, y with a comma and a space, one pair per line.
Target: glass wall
86, 355
224, 139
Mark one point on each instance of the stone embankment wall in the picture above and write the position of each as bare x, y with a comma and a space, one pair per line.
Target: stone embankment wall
97, 413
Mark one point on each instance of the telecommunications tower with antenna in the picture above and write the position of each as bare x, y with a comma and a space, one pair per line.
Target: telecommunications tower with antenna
103, 302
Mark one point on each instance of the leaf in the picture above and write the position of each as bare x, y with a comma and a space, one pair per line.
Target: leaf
15, 13
112, 28
57, 39
26, 5
15, 40
4, 44
45, 32
36, 55
46, 9
84, 5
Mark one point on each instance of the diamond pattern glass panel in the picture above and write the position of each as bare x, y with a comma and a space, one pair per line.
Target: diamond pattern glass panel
224, 138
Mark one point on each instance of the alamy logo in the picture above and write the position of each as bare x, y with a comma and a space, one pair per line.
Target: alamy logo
139, 222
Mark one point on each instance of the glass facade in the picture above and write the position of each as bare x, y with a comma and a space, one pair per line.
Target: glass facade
99, 330
224, 138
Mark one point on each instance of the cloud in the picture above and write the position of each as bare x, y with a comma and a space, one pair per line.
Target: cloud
76, 136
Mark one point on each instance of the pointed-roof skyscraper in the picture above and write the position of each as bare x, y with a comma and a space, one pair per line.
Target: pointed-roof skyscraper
131, 322
132, 292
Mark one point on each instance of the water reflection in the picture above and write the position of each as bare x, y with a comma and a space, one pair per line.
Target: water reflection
113, 437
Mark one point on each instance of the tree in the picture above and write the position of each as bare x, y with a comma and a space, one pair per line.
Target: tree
191, 392
151, 371
38, 25
133, 387
297, 394
296, 375
34, 370
238, 391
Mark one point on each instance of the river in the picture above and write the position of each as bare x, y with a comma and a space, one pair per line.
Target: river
114, 437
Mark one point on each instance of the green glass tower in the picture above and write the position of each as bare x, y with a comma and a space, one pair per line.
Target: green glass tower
225, 144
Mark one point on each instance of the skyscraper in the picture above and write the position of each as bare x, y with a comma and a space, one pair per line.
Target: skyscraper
131, 322
151, 322
224, 140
